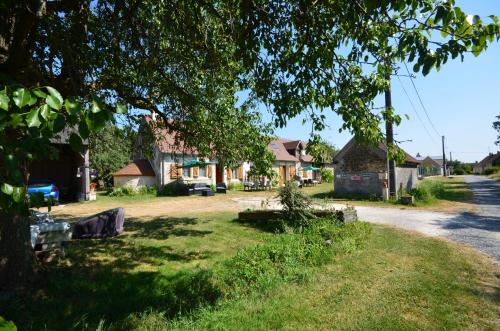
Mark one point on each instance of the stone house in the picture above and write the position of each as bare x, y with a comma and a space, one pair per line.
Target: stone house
489, 161
361, 170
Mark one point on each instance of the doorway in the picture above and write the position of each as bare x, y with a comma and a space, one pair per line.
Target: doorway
219, 174
282, 175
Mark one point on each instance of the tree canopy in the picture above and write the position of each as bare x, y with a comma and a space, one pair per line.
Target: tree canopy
496, 126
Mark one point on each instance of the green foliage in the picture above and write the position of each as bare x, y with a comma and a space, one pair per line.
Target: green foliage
491, 170
173, 189
7, 325
235, 186
130, 191
296, 205
110, 150
322, 151
496, 126
428, 190
29, 120
286, 257
326, 175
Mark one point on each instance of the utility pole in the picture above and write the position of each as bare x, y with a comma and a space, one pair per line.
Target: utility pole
450, 157
389, 139
444, 160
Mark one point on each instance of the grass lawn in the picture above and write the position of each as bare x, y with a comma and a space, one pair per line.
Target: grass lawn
397, 281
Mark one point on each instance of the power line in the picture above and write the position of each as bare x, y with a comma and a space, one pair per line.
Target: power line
420, 99
415, 110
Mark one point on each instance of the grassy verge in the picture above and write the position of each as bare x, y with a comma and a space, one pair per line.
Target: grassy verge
398, 281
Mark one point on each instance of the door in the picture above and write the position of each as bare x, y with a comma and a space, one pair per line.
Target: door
219, 174
282, 175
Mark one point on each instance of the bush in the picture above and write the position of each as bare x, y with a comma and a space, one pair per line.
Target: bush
296, 206
130, 191
287, 256
235, 186
491, 170
173, 189
428, 190
459, 171
326, 175
122, 191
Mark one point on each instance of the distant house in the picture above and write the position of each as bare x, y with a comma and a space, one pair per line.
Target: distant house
138, 173
430, 166
362, 170
169, 155
489, 161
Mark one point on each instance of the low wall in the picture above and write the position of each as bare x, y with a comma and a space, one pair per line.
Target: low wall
345, 215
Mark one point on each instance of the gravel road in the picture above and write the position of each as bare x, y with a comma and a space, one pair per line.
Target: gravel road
480, 230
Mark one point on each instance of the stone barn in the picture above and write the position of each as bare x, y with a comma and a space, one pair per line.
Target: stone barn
361, 170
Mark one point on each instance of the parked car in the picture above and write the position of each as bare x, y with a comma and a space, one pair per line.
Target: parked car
47, 187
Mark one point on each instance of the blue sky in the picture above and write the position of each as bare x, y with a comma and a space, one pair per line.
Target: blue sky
462, 101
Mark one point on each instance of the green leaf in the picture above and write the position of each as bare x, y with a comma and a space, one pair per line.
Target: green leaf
83, 129
7, 188
40, 94
15, 120
53, 102
96, 106
18, 194
37, 200
53, 92
47, 114
32, 119
121, 109
73, 107
4, 100
32, 100
59, 123
76, 142
21, 97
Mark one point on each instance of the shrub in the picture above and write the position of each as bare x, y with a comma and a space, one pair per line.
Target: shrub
296, 206
459, 171
145, 190
491, 170
326, 175
428, 190
287, 256
173, 189
122, 191
235, 186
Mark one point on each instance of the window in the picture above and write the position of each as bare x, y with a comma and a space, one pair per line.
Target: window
185, 172
202, 172
234, 173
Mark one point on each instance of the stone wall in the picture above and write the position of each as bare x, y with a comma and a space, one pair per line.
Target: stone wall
369, 184
361, 158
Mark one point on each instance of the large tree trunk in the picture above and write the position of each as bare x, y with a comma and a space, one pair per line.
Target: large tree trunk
17, 259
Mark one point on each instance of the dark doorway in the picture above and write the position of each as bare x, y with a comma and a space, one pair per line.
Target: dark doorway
219, 174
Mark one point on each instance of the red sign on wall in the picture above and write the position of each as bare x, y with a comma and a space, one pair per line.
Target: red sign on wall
355, 177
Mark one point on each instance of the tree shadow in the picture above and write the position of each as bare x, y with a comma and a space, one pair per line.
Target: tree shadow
97, 279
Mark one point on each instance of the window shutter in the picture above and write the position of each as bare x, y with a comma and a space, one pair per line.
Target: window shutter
305, 173
209, 171
173, 171
240, 172
179, 172
195, 172
229, 173
292, 171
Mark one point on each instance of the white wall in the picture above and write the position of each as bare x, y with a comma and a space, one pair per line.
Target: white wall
134, 181
165, 162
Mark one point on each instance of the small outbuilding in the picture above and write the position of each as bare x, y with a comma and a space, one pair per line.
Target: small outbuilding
490, 161
135, 174
361, 170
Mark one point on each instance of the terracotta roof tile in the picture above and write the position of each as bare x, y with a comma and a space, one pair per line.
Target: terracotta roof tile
140, 167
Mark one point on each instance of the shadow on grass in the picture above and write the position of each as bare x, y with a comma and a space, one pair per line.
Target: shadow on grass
272, 225
96, 281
